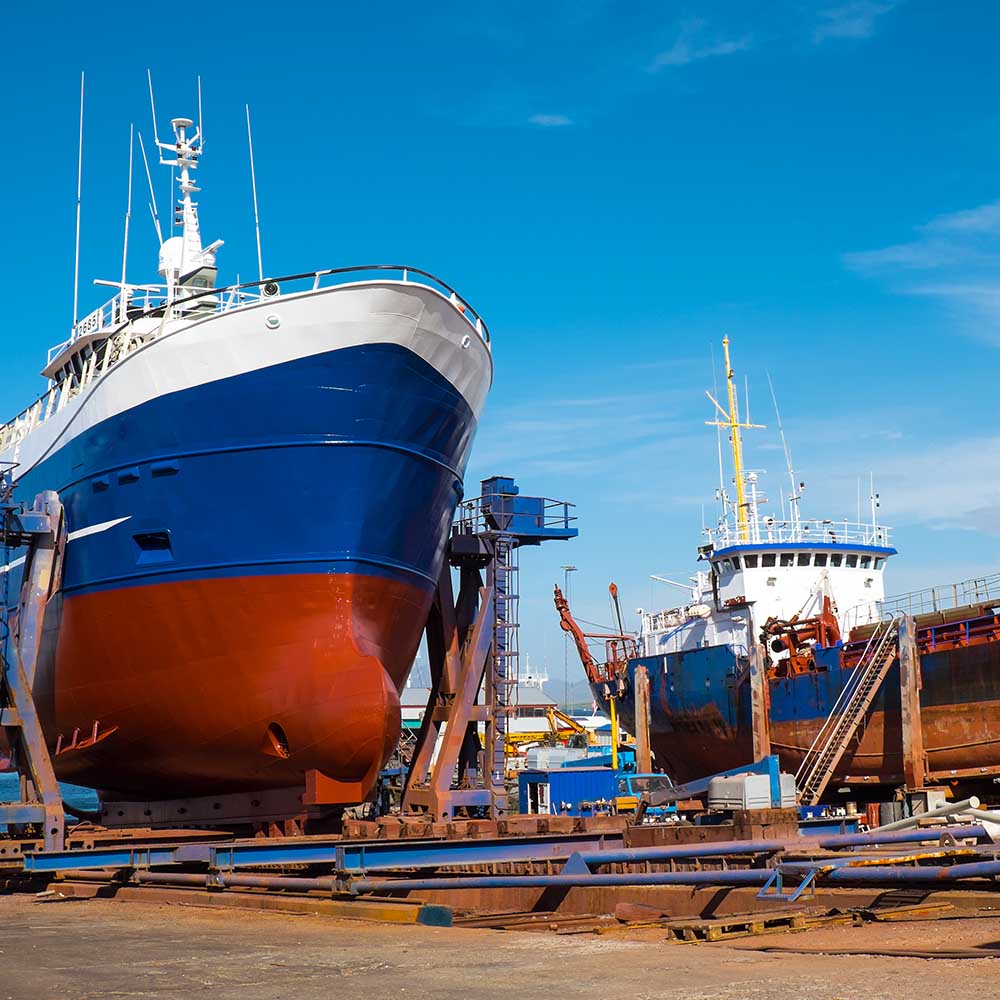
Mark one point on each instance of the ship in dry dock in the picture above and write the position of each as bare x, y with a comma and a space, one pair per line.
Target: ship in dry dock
258, 481
809, 595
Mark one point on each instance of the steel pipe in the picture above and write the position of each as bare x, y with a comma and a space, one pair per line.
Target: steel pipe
743, 876
984, 814
883, 874
637, 855
928, 873
949, 809
223, 880
874, 837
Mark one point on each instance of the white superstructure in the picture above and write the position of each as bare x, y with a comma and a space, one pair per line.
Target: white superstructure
760, 567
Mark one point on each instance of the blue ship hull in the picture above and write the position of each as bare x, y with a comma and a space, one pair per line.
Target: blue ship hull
701, 723
249, 569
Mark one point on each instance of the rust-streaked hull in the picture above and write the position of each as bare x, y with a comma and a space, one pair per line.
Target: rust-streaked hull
700, 716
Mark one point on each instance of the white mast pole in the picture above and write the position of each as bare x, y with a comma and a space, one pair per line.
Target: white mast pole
201, 131
793, 498
253, 184
128, 206
152, 192
79, 192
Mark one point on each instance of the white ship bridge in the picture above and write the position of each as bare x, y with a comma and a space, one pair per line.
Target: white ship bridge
761, 567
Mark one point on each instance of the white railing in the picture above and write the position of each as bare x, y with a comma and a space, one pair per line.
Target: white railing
981, 590
117, 316
133, 299
816, 532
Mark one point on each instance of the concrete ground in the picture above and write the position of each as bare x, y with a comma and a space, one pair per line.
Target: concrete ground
87, 949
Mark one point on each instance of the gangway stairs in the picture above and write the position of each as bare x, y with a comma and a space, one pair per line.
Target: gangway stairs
848, 712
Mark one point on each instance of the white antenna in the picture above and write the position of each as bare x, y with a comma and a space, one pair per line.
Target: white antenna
746, 393
253, 183
874, 499
152, 193
793, 499
128, 204
79, 192
152, 108
201, 131
718, 440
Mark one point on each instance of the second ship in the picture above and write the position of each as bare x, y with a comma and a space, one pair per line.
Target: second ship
810, 595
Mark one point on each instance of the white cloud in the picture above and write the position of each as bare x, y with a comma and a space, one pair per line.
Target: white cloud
691, 45
984, 219
920, 255
852, 20
955, 259
550, 121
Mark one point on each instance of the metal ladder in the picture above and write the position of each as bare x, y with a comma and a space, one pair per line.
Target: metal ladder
859, 692
505, 675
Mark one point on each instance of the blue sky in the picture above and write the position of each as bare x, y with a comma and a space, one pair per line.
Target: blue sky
614, 186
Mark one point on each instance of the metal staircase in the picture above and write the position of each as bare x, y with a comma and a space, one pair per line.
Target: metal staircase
848, 712
505, 674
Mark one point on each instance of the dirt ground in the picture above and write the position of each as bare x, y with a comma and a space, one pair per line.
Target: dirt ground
89, 949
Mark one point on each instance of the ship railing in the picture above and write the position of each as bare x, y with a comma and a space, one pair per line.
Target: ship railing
524, 516
117, 316
768, 530
983, 590
131, 301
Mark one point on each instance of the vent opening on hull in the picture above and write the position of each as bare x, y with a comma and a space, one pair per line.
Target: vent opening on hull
152, 547
276, 742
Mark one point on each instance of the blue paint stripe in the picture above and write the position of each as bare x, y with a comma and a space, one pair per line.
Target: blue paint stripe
345, 462
810, 546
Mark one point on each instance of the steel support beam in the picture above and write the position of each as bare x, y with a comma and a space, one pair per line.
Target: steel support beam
640, 695
911, 720
760, 715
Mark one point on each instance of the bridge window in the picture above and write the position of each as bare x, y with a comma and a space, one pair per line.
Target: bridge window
836, 559
866, 561
878, 562
767, 560
787, 559
820, 559
803, 559
750, 561
852, 561
736, 562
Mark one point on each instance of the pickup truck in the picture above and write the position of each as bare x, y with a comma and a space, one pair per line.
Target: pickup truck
635, 788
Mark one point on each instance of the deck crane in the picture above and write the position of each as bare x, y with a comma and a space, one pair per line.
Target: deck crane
619, 648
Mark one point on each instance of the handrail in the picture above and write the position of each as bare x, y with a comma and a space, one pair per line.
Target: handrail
978, 590
117, 320
815, 531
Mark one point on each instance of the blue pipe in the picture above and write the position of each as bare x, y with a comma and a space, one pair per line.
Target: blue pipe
883, 874
901, 836
636, 855
928, 873
743, 876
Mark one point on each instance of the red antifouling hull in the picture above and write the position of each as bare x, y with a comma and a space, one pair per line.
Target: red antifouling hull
225, 685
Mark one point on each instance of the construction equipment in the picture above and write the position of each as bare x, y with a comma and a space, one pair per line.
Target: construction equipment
848, 712
797, 636
612, 674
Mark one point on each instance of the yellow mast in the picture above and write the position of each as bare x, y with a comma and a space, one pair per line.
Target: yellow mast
733, 422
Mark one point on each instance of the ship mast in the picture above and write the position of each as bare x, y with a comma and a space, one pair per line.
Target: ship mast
181, 257
731, 419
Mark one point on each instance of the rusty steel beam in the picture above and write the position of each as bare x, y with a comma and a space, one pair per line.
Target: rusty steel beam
640, 694
911, 721
760, 718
